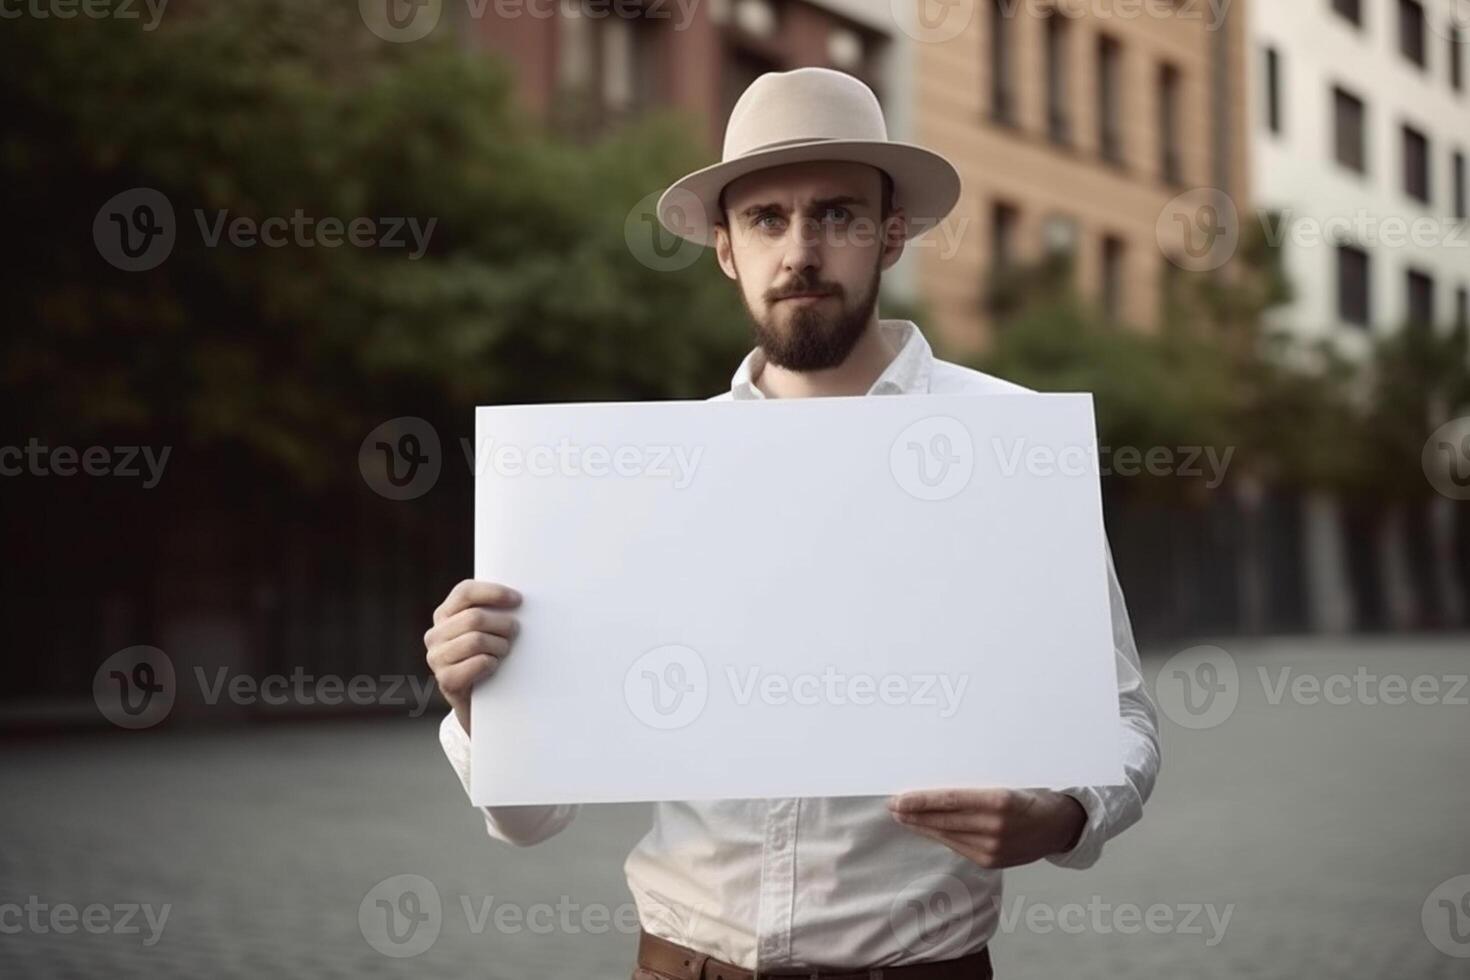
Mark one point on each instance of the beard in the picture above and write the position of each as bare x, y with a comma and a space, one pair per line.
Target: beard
816, 337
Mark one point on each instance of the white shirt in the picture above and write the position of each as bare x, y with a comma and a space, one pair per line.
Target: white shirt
776, 884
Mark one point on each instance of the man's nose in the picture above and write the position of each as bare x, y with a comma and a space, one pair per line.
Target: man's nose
803, 246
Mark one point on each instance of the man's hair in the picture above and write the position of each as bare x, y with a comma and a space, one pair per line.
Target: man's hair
884, 210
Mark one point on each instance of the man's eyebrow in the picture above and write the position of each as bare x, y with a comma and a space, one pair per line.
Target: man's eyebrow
819, 204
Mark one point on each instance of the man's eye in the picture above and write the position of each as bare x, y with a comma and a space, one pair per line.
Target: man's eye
842, 214
760, 222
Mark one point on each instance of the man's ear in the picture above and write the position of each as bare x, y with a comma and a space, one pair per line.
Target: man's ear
723, 250
895, 234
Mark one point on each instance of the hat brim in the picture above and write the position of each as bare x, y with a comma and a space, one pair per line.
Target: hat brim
925, 184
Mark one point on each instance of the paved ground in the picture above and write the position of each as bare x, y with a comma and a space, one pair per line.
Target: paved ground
1321, 829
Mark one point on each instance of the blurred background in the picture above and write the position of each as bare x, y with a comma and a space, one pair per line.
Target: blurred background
266, 256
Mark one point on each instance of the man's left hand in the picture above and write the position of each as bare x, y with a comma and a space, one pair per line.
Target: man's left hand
995, 828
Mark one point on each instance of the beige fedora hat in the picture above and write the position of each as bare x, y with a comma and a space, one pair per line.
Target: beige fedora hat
802, 115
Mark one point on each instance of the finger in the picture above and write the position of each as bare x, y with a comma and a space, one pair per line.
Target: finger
457, 680
966, 821
471, 592
980, 800
464, 647
980, 848
476, 619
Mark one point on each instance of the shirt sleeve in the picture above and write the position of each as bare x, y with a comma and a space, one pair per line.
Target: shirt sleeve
518, 825
1113, 809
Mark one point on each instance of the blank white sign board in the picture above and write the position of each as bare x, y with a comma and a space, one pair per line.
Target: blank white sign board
809, 597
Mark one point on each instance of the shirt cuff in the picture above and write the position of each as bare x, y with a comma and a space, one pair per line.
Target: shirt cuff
1088, 848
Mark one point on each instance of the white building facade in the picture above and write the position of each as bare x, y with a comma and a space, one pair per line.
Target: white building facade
1360, 134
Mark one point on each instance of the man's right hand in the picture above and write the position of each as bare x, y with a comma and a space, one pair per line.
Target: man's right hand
472, 630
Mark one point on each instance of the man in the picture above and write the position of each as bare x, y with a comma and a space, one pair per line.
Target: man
809, 205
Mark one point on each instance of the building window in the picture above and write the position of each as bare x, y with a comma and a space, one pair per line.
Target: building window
1458, 169
1416, 164
605, 69
1169, 164
1114, 253
1002, 91
1349, 130
1411, 31
1109, 82
1058, 119
1273, 90
1421, 299
1351, 9
1456, 56
1005, 219
1352, 285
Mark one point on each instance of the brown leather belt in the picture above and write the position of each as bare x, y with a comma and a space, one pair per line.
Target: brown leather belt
682, 963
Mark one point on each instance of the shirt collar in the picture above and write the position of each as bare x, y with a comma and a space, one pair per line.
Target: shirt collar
907, 374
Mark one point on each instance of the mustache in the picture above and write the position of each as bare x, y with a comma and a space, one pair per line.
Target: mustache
802, 288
